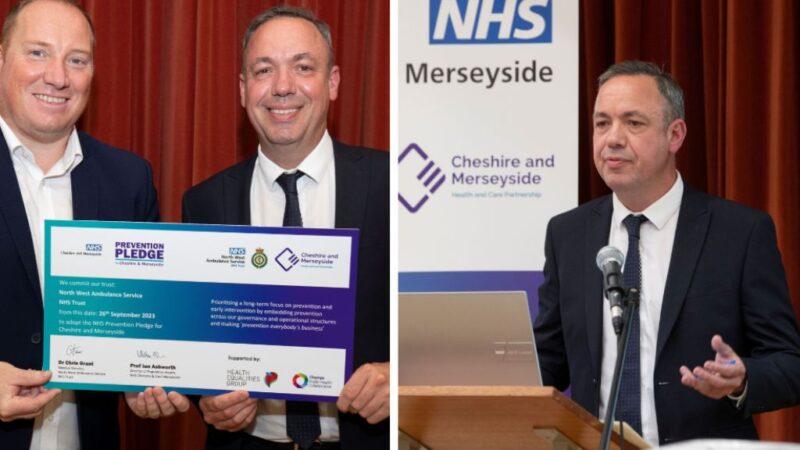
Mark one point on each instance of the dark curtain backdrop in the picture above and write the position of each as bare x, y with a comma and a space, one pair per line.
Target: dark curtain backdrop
738, 63
166, 87
166, 82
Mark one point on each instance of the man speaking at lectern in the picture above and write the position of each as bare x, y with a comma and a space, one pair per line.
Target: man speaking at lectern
716, 338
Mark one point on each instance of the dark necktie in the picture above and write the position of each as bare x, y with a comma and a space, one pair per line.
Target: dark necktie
302, 422
630, 398
302, 418
291, 214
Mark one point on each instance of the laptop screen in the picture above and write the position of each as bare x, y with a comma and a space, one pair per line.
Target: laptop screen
466, 339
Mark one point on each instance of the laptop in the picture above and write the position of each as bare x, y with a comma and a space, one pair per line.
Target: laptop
466, 339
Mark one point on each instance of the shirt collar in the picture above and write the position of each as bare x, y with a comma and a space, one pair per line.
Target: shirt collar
657, 213
73, 154
314, 165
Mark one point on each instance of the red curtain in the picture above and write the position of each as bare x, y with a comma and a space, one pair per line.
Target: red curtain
166, 82
738, 63
166, 87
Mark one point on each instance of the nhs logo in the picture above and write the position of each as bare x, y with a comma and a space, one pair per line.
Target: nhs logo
490, 21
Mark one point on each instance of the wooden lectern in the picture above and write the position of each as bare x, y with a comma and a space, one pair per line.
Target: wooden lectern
494, 417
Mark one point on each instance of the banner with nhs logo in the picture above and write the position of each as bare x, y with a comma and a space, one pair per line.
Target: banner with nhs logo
490, 22
488, 131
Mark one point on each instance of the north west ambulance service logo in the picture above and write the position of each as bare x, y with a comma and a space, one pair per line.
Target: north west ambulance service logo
259, 259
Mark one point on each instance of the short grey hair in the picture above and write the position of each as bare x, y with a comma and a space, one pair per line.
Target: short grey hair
288, 11
667, 86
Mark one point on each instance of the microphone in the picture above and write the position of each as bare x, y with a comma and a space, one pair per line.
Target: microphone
609, 261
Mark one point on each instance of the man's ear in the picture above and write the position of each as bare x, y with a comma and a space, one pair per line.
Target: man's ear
676, 133
333, 83
242, 96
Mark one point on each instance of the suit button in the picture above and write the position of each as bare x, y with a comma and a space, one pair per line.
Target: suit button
36, 338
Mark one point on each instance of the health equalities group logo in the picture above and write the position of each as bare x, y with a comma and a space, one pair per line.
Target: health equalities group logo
270, 378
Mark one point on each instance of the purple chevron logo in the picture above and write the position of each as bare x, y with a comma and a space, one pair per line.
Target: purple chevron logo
287, 259
429, 176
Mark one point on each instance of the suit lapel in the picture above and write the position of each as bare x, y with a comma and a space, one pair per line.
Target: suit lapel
236, 190
690, 235
12, 211
352, 184
598, 226
85, 190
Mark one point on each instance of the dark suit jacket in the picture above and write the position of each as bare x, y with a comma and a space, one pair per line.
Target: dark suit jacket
725, 277
109, 184
362, 201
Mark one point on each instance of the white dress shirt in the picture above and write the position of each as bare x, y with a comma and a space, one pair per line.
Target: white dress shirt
316, 193
656, 238
48, 196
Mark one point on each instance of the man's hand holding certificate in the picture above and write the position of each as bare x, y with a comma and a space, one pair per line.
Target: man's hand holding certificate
200, 309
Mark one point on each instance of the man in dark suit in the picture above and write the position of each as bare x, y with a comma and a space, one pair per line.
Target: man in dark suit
718, 339
50, 171
287, 82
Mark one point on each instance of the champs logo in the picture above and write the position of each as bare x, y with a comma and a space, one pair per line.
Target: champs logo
300, 380
490, 21
259, 259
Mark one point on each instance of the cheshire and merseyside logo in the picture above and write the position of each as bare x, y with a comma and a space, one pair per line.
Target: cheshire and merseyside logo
270, 378
430, 178
287, 259
259, 259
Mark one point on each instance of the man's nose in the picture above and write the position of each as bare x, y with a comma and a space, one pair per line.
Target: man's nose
284, 83
616, 136
56, 74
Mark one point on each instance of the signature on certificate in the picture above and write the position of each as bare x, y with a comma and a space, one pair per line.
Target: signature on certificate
147, 354
73, 350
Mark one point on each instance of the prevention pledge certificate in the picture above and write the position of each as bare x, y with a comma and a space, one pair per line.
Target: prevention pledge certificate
201, 309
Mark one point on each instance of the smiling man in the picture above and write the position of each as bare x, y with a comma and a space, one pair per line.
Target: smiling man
715, 339
301, 177
48, 170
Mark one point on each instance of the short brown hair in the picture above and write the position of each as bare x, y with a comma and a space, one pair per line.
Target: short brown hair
11, 18
667, 86
288, 11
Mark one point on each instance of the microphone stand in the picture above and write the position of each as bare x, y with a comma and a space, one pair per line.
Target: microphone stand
631, 300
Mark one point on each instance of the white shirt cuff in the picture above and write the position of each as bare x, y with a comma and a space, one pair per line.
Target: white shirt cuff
739, 399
